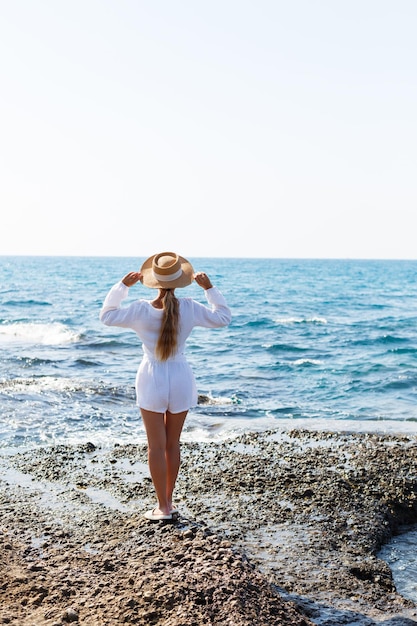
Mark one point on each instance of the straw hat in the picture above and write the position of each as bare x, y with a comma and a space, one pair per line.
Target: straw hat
166, 270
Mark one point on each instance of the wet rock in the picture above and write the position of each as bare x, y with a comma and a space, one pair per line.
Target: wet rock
275, 528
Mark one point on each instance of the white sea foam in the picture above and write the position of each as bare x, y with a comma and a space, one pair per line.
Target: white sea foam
218, 428
39, 385
308, 362
301, 320
50, 334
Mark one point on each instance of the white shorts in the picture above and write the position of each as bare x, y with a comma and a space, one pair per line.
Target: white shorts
165, 385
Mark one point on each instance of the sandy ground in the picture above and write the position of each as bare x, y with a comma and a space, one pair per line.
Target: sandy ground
279, 528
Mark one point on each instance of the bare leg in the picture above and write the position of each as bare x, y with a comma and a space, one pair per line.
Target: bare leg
173, 428
156, 435
163, 434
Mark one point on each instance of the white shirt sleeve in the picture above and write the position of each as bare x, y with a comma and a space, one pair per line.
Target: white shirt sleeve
113, 300
218, 315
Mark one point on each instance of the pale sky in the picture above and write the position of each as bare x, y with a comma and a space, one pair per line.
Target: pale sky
263, 128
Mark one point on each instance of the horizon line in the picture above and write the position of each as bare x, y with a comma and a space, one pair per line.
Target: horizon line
265, 257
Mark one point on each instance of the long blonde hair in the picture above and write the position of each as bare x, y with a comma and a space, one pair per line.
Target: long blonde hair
167, 340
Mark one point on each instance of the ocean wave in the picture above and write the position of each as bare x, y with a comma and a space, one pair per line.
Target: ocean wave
107, 343
282, 347
50, 334
402, 382
27, 361
308, 362
300, 320
28, 303
219, 401
258, 322
411, 350
392, 339
85, 363
372, 339
63, 386
41, 384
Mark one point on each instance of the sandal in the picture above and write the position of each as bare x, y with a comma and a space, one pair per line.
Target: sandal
156, 517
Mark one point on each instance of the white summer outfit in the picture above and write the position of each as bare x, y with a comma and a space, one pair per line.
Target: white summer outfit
164, 385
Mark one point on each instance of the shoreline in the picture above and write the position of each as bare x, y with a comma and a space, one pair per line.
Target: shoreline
275, 527
214, 430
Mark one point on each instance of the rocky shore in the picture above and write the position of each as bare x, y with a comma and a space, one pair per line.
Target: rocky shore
278, 528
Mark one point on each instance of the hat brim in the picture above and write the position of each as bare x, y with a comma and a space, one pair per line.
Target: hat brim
149, 279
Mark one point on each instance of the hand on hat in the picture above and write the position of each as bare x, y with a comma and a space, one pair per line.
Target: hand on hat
131, 278
200, 278
203, 280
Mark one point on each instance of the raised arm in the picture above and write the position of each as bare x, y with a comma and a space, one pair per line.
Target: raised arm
132, 278
203, 280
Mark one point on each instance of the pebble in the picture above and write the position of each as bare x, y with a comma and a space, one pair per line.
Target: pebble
70, 615
280, 540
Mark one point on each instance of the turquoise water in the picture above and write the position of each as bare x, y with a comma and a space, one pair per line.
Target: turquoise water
322, 343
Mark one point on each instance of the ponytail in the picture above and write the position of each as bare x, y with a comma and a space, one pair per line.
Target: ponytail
167, 340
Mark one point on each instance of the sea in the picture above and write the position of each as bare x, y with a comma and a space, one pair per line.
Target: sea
313, 343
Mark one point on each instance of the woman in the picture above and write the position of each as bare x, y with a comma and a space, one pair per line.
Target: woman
165, 384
